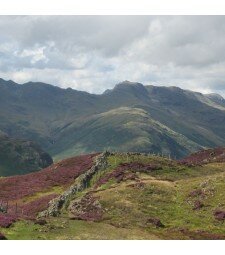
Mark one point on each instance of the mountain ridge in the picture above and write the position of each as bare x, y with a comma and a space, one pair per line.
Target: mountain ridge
67, 122
118, 85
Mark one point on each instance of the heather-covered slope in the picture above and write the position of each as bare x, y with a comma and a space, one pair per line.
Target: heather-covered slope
129, 117
20, 156
135, 196
26, 195
205, 156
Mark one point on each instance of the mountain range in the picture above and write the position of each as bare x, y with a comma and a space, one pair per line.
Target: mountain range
130, 117
161, 175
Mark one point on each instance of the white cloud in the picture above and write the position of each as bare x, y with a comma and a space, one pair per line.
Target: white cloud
35, 55
94, 52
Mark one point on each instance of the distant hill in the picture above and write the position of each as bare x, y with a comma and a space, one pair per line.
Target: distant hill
20, 156
130, 117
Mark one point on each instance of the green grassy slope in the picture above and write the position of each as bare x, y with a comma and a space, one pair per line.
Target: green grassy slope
122, 129
132, 208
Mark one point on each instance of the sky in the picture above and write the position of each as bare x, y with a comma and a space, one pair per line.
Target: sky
93, 53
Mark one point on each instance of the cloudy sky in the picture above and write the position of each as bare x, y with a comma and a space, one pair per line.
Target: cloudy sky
93, 53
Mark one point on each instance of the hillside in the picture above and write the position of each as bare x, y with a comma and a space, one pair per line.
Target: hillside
205, 156
130, 117
116, 196
20, 156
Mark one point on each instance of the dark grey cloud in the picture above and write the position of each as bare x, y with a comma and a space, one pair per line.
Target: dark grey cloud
95, 52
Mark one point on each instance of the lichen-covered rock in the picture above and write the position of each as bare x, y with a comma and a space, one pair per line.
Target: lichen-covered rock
86, 208
80, 184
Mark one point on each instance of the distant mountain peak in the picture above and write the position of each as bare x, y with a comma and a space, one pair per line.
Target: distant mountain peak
7, 82
128, 86
215, 96
129, 83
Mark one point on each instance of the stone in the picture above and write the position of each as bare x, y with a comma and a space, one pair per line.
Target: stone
156, 222
80, 184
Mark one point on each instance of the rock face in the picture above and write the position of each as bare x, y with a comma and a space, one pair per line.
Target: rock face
21, 157
80, 184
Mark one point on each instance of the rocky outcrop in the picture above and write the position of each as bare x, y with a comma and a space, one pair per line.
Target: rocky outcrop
86, 208
80, 184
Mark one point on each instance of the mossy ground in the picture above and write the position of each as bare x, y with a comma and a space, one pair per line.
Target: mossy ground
165, 195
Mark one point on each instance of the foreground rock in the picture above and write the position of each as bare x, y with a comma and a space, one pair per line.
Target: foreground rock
80, 184
87, 208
